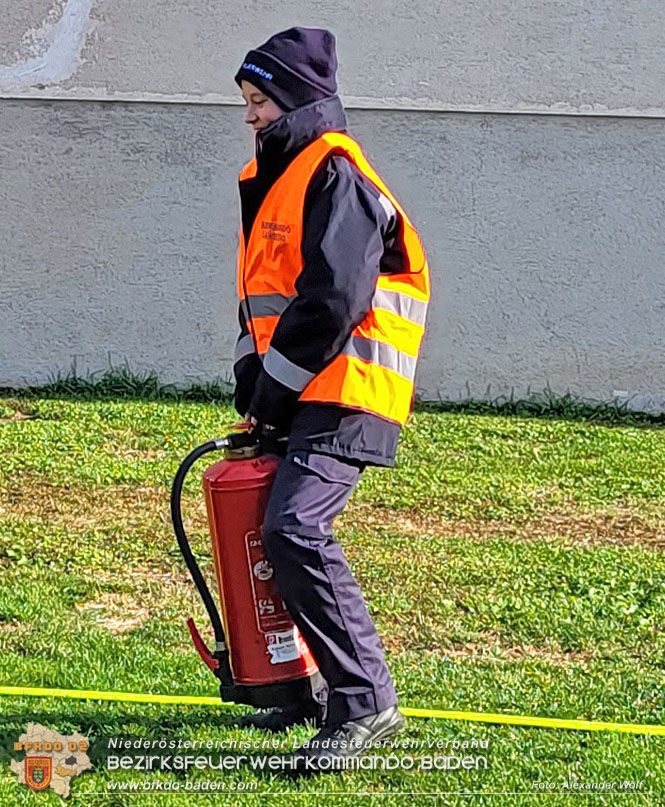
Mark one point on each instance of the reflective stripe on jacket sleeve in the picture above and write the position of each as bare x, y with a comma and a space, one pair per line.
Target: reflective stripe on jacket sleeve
285, 371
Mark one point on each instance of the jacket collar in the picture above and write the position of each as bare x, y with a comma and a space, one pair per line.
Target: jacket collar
278, 143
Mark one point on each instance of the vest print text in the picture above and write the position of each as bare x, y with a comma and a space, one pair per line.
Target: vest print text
274, 230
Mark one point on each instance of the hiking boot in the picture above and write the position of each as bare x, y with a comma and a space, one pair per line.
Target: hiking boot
329, 749
279, 719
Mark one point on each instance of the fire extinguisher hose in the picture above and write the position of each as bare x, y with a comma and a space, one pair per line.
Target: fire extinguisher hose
221, 650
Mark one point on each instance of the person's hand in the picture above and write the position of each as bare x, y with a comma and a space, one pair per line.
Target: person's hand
250, 422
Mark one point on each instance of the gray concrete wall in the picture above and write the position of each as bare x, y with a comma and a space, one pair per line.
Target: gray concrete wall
545, 234
577, 56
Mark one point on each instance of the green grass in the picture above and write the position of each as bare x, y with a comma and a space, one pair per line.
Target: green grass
512, 561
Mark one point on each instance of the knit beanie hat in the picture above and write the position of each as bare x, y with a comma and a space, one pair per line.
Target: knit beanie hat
294, 67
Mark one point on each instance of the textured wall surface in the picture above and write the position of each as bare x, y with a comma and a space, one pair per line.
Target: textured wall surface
545, 235
524, 138
493, 55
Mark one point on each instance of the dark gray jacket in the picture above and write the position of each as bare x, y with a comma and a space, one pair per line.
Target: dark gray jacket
350, 234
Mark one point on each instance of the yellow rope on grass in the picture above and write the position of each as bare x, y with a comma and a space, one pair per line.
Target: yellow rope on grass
481, 717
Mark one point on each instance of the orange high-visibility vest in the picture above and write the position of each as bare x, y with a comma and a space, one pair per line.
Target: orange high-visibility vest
375, 369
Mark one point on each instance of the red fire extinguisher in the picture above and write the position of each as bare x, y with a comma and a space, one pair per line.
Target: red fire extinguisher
260, 658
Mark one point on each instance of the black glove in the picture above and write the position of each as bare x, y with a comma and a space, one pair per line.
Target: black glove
273, 403
246, 372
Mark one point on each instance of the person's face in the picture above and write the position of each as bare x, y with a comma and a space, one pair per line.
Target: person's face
261, 110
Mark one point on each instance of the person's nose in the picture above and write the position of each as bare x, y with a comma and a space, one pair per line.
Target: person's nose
250, 114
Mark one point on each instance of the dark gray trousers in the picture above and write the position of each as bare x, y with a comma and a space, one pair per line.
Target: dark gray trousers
317, 586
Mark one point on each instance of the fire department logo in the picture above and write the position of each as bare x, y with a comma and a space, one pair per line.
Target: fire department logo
38, 772
59, 758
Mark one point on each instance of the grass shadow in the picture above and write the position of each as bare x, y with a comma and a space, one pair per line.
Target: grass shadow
546, 405
121, 383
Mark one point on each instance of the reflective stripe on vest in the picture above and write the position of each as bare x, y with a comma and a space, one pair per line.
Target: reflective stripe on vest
408, 307
371, 350
265, 305
375, 369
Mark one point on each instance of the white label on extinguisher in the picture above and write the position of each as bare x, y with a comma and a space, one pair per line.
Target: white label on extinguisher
283, 646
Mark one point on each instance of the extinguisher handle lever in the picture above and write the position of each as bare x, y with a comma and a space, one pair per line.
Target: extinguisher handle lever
201, 647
